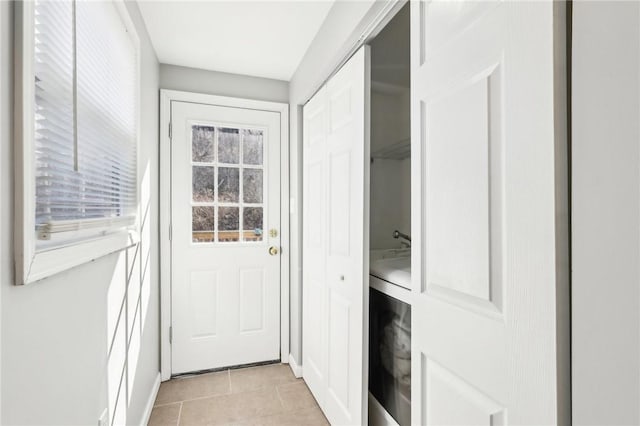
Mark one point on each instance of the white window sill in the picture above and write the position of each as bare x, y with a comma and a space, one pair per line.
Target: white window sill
46, 263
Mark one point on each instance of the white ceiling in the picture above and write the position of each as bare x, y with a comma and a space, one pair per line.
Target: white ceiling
257, 38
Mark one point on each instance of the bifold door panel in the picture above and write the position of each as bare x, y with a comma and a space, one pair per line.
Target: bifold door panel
484, 346
335, 222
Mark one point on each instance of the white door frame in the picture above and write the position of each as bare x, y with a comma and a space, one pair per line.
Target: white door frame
166, 97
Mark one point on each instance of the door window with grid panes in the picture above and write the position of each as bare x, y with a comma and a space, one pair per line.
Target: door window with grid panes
228, 183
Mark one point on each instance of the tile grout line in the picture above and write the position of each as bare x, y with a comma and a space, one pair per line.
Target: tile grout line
167, 403
215, 395
180, 401
280, 398
198, 398
294, 412
179, 415
230, 392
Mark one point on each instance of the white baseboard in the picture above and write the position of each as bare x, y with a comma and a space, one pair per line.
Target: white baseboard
152, 399
297, 369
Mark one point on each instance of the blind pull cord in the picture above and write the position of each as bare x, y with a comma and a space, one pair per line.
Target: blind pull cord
75, 87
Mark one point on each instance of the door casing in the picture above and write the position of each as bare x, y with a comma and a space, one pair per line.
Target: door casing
166, 97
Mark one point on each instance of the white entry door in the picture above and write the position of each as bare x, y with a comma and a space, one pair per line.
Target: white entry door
335, 263
225, 242
489, 235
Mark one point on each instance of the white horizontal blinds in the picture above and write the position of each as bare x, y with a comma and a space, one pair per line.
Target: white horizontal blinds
92, 175
54, 111
106, 109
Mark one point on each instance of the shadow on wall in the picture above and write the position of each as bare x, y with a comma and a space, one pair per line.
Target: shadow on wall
127, 313
84, 341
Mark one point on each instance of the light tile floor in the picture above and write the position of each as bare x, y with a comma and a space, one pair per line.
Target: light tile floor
264, 395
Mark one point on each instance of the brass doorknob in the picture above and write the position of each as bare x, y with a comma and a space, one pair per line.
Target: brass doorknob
273, 250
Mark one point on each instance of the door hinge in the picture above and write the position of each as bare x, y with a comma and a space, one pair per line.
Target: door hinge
170, 128
170, 334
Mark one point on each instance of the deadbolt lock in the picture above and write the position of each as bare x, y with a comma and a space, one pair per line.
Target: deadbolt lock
273, 232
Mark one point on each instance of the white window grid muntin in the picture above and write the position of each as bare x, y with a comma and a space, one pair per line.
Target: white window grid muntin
217, 164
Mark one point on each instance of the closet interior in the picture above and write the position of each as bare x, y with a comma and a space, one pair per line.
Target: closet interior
390, 225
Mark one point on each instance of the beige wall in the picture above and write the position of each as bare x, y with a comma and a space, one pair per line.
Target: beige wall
56, 364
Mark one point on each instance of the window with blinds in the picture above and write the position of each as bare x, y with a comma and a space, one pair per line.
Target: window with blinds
85, 118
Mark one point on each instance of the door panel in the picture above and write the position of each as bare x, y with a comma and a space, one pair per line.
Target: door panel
225, 173
452, 401
203, 296
314, 349
339, 349
252, 299
452, 229
335, 265
339, 205
484, 215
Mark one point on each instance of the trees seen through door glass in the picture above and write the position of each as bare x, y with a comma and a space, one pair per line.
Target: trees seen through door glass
227, 184
203, 223
253, 218
203, 144
228, 224
203, 183
229, 146
252, 149
252, 185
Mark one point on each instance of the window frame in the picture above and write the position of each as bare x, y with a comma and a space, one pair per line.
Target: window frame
34, 263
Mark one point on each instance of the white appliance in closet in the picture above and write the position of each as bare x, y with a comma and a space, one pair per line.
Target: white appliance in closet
335, 242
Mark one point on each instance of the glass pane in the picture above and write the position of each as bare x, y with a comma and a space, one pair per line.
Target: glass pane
202, 146
252, 146
228, 224
228, 185
252, 223
203, 183
202, 224
252, 185
229, 146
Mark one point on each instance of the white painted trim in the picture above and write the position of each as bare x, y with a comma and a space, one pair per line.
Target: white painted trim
31, 263
165, 243
6, 22
285, 234
297, 369
146, 415
166, 97
366, 222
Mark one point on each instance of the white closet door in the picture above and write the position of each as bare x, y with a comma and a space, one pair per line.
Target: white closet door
485, 258
335, 264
